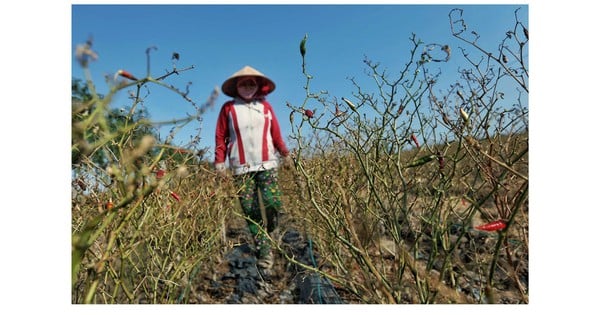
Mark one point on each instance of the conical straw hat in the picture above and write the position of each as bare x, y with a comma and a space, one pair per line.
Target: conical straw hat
265, 85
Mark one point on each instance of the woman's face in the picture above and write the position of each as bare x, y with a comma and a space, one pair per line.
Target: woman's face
246, 87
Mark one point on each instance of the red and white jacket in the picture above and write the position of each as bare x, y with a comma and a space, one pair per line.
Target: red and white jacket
249, 134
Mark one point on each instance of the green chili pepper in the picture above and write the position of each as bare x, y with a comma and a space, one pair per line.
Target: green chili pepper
420, 161
303, 45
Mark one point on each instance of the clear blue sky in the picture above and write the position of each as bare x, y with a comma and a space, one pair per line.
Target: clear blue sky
220, 39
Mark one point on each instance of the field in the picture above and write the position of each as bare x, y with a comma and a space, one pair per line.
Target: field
379, 208
157, 249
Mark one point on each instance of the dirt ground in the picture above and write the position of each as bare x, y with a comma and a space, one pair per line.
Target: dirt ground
237, 279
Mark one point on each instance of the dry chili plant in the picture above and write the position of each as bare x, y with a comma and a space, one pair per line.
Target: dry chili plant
142, 227
390, 183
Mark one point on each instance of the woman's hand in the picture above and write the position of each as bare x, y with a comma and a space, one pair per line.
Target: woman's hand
288, 162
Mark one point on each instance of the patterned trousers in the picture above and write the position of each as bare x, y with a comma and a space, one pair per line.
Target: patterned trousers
250, 185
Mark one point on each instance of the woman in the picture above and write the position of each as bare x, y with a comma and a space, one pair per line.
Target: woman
249, 135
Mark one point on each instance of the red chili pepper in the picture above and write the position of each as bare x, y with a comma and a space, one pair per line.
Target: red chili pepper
127, 75
414, 139
492, 226
309, 113
441, 161
176, 196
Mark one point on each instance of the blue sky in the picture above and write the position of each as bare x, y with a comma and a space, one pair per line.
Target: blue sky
220, 39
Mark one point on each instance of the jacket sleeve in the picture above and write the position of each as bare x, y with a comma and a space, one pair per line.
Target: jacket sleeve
221, 134
278, 141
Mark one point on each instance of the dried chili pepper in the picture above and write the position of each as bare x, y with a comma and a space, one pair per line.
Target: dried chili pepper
338, 112
350, 104
400, 109
441, 160
126, 74
446, 119
492, 226
176, 196
414, 139
464, 115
